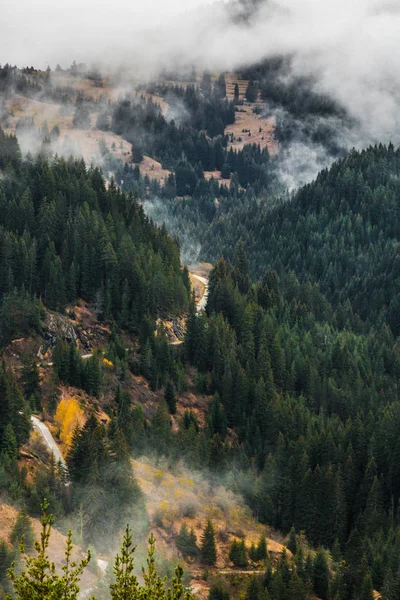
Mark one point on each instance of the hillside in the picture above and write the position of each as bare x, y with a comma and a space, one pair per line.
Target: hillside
35, 115
339, 232
172, 498
8, 518
246, 412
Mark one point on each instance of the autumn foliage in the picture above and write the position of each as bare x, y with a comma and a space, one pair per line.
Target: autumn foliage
69, 414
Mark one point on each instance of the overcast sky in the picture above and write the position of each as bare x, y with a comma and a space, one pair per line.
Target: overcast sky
353, 46
45, 31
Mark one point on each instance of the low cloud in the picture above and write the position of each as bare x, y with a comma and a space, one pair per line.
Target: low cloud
351, 47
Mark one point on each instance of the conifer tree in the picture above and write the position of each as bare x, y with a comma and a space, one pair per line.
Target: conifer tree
6, 558
367, 590
155, 586
253, 589
218, 592
238, 554
321, 574
241, 272
39, 579
208, 550
236, 92
262, 551
217, 420
253, 552
23, 531
186, 542
170, 397
391, 588
126, 584
92, 376
251, 91
234, 553
292, 541
9, 444
31, 379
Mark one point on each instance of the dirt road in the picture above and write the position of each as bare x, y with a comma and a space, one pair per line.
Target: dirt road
48, 438
202, 303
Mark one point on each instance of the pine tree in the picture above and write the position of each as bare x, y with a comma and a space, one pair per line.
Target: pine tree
253, 590
126, 584
170, 397
61, 360
218, 592
23, 531
238, 554
221, 86
234, 554
9, 444
208, 550
6, 558
155, 586
321, 574
390, 589
262, 550
241, 272
253, 555
251, 91
75, 366
217, 421
31, 379
38, 579
236, 92
92, 376
186, 542
292, 541
367, 590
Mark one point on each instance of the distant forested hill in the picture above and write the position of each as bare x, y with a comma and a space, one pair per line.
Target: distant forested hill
341, 231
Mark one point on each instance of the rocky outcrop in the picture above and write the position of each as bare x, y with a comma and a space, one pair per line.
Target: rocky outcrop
56, 327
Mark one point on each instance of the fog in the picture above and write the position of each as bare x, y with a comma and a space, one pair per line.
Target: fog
350, 45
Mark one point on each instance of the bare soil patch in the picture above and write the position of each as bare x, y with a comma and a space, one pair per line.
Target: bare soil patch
153, 169
249, 128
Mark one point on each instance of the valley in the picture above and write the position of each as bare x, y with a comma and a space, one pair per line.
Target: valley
200, 303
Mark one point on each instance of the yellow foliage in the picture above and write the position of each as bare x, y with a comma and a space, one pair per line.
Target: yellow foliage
234, 514
108, 363
164, 505
158, 477
68, 415
186, 482
215, 513
169, 483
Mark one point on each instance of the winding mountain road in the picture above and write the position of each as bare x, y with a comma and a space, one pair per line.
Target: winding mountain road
202, 303
48, 438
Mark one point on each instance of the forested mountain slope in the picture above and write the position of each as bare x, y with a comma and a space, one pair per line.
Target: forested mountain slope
340, 231
286, 388
66, 235
314, 405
